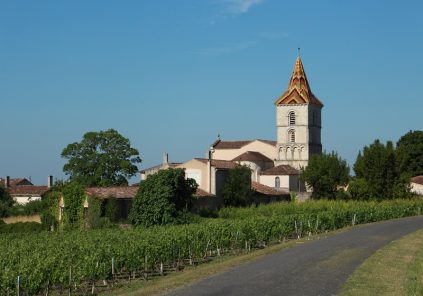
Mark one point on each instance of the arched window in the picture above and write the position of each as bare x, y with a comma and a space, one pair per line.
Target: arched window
277, 182
291, 118
291, 135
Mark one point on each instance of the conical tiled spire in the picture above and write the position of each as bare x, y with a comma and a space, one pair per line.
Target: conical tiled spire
299, 91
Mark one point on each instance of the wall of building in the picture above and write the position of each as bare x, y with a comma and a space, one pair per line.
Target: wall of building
417, 188
22, 200
16, 219
256, 167
307, 130
269, 180
198, 171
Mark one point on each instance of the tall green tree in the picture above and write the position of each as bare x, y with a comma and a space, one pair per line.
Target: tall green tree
409, 153
237, 190
162, 198
324, 173
377, 175
103, 158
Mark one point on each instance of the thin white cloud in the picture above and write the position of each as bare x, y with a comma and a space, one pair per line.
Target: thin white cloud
239, 6
228, 49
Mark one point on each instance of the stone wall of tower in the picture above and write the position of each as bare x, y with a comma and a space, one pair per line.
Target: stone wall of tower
298, 138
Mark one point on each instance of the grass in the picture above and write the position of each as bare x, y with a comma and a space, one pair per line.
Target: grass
191, 275
396, 269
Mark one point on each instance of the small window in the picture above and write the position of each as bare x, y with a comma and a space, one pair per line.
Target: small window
291, 136
277, 182
291, 117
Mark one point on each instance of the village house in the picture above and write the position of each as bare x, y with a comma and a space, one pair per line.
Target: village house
23, 191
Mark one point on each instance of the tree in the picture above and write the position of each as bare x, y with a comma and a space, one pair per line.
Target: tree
409, 153
6, 202
359, 189
162, 198
376, 173
324, 173
237, 189
102, 158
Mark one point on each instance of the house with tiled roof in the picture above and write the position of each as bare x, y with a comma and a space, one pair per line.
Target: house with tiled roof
282, 177
23, 191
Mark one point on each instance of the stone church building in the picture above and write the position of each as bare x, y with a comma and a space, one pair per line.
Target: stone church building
274, 165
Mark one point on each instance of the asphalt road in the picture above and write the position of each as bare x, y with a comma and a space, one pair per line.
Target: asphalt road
317, 267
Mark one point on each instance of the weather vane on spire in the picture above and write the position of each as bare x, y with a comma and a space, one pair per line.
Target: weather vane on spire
299, 51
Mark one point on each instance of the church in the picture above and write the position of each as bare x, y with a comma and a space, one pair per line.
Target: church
275, 165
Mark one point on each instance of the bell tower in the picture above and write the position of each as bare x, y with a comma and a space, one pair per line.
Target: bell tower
298, 121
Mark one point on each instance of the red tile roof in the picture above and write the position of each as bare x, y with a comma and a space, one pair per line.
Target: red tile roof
116, 192
266, 190
270, 142
16, 182
252, 156
230, 144
161, 166
219, 144
417, 180
281, 170
219, 164
202, 193
28, 190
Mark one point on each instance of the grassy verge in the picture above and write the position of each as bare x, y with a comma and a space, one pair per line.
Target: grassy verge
396, 269
190, 275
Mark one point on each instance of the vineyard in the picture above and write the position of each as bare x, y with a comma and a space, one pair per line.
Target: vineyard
82, 262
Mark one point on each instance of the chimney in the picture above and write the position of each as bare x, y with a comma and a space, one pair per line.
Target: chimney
7, 182
165, 158
50, 181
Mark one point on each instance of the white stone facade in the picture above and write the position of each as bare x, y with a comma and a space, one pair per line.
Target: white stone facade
298, 133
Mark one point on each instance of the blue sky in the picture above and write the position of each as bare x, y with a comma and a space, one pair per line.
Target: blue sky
171, 75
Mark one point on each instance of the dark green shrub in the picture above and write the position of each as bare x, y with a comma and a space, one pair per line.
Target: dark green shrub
207, 213
31, 208
237, 191
162, 198
48, 221
21, 227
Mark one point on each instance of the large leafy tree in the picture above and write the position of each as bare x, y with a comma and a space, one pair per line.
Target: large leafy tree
324, 173
162, 198
377, 174
237, 188
103, 158
409, 153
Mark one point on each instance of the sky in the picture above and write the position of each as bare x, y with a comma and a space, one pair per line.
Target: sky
172, 75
